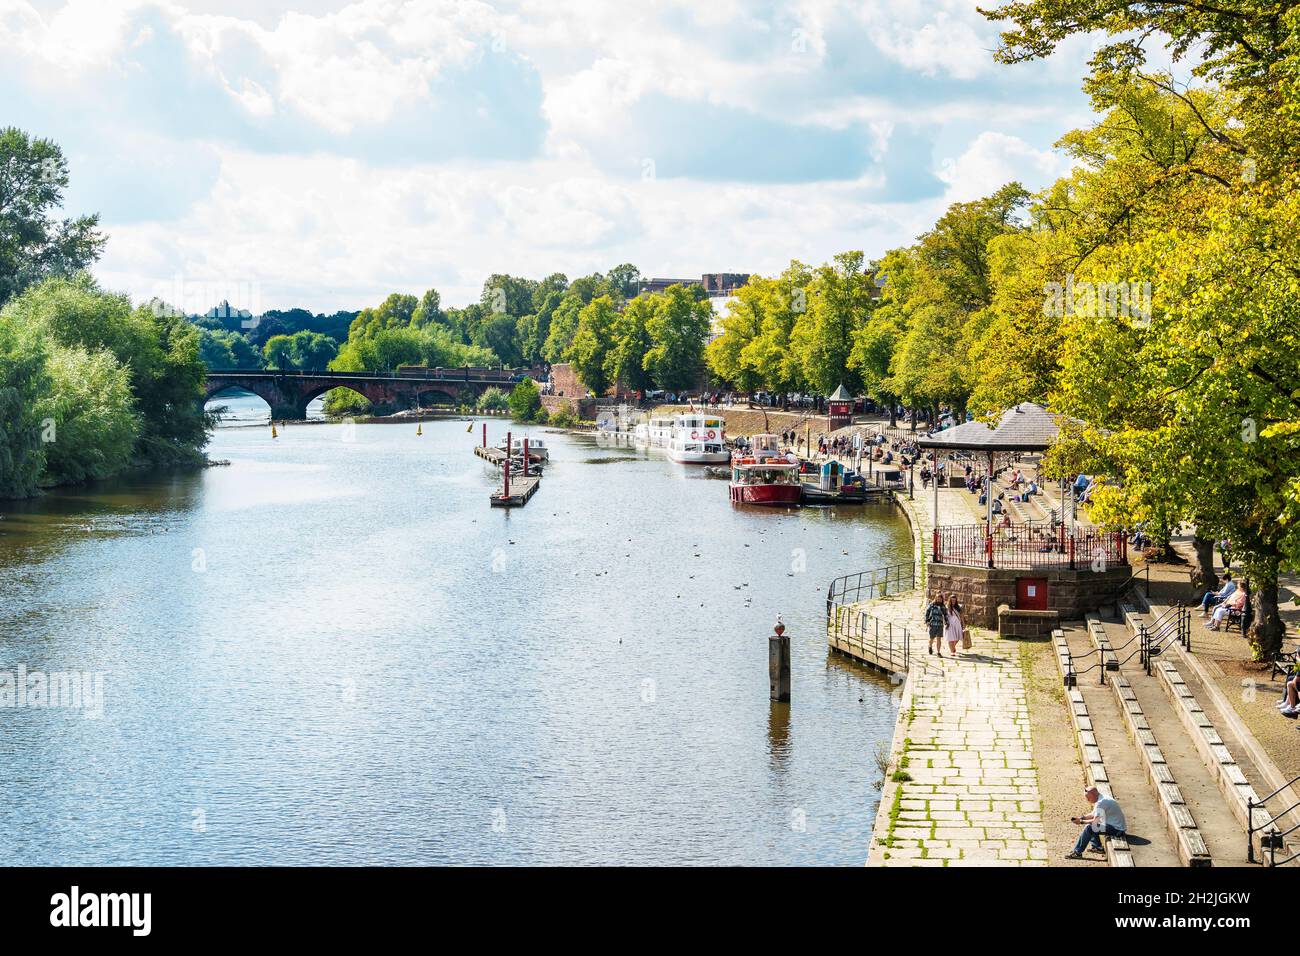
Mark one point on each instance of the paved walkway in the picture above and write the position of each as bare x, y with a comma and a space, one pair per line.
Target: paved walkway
966, 792
973, 795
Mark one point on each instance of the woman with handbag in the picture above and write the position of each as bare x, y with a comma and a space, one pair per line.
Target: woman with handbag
955, 629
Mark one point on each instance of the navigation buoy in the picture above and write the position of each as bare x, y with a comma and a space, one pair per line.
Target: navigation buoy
419, 429
274, 433
471, 427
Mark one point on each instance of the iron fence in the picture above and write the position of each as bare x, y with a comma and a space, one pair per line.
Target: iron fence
869, 585
883, 643
1028, 545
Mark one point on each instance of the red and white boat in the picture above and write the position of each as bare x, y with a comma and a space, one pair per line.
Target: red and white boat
763, 476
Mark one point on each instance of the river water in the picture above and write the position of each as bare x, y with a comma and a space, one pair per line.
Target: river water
334, 651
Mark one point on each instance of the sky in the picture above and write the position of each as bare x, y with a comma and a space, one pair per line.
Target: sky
325, 154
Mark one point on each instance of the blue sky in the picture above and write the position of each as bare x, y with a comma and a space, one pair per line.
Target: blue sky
324, 154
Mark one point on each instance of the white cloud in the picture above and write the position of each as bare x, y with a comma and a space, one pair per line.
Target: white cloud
342, 150
995, 159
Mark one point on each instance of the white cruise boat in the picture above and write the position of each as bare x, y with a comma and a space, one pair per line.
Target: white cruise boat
655, 433
699, 439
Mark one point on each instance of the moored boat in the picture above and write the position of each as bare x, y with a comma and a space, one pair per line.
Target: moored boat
774, 481
655, 433
699, 440
536, 448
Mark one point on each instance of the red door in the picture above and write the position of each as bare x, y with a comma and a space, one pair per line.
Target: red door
1031, 594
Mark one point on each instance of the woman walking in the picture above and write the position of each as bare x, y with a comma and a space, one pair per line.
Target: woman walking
953, 627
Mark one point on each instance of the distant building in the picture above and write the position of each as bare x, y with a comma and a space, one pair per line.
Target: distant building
714, 283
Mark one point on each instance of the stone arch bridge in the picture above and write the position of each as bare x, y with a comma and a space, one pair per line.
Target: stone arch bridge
289, 393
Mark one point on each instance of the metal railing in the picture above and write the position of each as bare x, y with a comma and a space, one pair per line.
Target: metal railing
1273, 839
1173, 624
880, 642
1027, 545
869, 585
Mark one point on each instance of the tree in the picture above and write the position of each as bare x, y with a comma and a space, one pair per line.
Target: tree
677, 329
1193, 405
24, 382
626, 361
591, 344
525, 401
839, 302
95, 425
302, 350
158, 345
1247, 48
33, 245
493, 399
755, 348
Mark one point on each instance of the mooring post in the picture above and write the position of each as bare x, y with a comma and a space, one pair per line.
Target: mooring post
506, 470
778, 664
526, 472
485, 434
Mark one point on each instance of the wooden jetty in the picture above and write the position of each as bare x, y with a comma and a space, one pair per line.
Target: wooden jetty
514, 490
496, 456
516, 493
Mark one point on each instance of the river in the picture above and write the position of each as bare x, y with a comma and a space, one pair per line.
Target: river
332, 651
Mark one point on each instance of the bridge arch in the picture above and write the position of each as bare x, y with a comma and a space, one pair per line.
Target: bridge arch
212, 394
440, 395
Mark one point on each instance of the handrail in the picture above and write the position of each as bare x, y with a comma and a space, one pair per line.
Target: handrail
902, 576
1274, 836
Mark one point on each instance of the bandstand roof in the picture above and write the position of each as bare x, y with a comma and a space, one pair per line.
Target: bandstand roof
1026, 427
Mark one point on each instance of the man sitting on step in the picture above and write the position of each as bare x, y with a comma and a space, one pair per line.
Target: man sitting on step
1106, 819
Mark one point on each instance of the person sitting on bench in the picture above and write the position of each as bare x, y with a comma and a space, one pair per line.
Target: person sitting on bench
1290, 697
1106, 819
1236, 602
1213, 598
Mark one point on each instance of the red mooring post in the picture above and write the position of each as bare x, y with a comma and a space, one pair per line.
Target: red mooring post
525, 456
485, 434
505, 468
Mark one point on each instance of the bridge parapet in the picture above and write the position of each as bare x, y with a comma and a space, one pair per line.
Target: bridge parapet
290, 392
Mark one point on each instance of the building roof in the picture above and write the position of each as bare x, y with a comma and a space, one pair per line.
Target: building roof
1027, 427
841, 394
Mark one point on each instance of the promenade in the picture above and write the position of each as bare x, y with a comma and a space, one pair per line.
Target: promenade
962, 788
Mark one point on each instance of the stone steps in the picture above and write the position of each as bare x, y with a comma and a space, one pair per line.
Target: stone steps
1196, 810
1124, 768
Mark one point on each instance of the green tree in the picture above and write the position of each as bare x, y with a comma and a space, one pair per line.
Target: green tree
493, 399
158, 345
93, 414
33, 244
838, 304
678, 329
626, 360
24, 386
591, 344
525, 401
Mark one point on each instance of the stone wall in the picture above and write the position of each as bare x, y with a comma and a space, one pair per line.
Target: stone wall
981, 591
585, 407
1027, 624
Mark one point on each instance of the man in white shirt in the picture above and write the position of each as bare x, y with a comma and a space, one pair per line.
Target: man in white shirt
1106, 819
1215, 598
